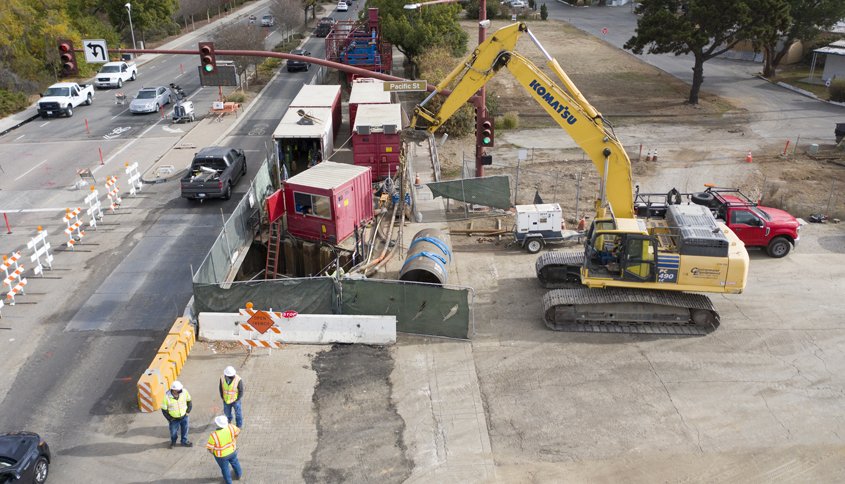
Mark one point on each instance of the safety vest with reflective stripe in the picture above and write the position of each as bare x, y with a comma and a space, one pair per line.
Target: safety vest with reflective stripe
177, 407
230, 392
221, 442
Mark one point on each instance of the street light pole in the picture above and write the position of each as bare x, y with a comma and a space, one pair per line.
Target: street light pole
131, 29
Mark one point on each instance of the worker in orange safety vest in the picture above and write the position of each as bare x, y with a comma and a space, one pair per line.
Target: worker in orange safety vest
232, 392
222, 443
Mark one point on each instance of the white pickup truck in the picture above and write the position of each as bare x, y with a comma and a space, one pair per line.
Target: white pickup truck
114, 74
62, 97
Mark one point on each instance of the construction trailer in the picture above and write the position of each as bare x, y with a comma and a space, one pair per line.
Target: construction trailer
321, 96
366, 90
327, 202
359, 44
303, 138
376, 141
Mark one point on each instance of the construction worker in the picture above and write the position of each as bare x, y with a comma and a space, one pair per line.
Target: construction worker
222, 443
176, 407
232, 391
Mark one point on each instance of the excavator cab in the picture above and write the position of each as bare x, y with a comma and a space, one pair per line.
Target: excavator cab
619, 255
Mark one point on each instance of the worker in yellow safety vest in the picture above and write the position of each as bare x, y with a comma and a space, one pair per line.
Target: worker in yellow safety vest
222, 443
176, 407
232, 392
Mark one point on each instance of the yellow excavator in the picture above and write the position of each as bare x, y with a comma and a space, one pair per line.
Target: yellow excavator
634, 275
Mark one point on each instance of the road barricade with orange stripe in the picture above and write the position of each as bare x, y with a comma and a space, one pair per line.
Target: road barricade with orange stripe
166, 365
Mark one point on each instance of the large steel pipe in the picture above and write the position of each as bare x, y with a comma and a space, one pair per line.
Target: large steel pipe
428, 258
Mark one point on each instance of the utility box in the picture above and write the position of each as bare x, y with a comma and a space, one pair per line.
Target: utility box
327, 201
321, 96
366, 91
303, 138
376, 140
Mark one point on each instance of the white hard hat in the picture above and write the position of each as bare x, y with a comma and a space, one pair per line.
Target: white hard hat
221, 421
229, 371
176, 386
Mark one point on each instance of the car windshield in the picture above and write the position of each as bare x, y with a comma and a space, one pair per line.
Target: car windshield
109, 69
267, 17
57, 91
297, 52
150, 94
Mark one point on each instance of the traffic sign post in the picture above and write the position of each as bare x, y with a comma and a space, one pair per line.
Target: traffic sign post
95, 50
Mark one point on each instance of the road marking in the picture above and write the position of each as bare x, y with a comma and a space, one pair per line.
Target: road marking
45, 124
19, 137
120, 113
125, 147
27, 171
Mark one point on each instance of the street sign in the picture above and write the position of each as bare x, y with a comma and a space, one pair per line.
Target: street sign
604, 31
289, 314
405, 86
225, 75
261, 321
95, 51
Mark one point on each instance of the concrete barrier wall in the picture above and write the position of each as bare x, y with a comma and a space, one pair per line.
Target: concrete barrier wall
304, 329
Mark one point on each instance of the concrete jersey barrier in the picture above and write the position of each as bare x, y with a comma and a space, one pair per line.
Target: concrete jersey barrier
303, 328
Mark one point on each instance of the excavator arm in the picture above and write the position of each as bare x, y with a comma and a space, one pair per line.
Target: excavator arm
567, 106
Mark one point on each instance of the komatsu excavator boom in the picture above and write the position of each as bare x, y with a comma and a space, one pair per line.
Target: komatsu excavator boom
634, 275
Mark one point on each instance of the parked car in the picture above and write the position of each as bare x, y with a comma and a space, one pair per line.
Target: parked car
342, 7
297, 65
24, 458
213, 173
268, 21
518, 4
150, 99
324, 27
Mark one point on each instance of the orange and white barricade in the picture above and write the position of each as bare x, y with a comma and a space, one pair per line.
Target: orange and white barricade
13, 281
40, 251
74, 226
258, 324
134, 178
94, 208
113, 192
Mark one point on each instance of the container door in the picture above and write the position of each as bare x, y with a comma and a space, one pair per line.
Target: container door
344, 213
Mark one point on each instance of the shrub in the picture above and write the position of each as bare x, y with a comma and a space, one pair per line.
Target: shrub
544, 12
12, 102
235, 97
837, 90
510, 120
268, 67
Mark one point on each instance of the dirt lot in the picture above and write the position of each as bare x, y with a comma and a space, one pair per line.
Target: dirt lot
700, 144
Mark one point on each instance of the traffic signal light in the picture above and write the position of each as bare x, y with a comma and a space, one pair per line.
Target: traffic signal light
207, 57
67, 58
486, 134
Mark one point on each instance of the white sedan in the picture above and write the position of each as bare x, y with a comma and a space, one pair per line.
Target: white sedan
342, 7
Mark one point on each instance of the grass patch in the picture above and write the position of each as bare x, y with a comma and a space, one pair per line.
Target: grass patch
796, 75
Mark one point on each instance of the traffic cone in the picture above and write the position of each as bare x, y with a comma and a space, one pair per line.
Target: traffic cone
417, 180
582, 224
648, 156
654, 155
748, 158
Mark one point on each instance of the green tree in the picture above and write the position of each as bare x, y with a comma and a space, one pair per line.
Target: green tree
415, 31
703, 28
434, 65
544, 12
807, 18
493, 9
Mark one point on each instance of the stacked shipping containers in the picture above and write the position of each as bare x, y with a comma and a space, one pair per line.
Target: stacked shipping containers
375, 138
320, 96
366, 91
327, 201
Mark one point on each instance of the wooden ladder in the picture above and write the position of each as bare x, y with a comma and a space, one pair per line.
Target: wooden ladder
273, 250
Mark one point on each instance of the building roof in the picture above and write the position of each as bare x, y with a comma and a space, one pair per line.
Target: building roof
327, 175
292, 127
316, 95
369, 91
378, 115
835, 48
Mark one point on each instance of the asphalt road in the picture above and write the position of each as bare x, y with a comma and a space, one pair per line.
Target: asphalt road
79, 338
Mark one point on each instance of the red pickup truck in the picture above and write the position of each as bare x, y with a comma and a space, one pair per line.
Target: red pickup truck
757, 226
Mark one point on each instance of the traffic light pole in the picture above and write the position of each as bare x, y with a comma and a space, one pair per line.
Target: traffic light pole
481, 99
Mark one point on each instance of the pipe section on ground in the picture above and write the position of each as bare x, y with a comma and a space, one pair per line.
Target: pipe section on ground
428, 258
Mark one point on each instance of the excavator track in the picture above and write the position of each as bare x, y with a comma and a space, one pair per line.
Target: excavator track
560, 268
637, 311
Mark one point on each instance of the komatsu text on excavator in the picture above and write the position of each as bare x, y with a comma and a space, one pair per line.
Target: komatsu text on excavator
634, 275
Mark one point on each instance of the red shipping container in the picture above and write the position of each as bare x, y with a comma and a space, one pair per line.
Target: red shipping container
375, 138
366, 90
327, 201
321, 96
